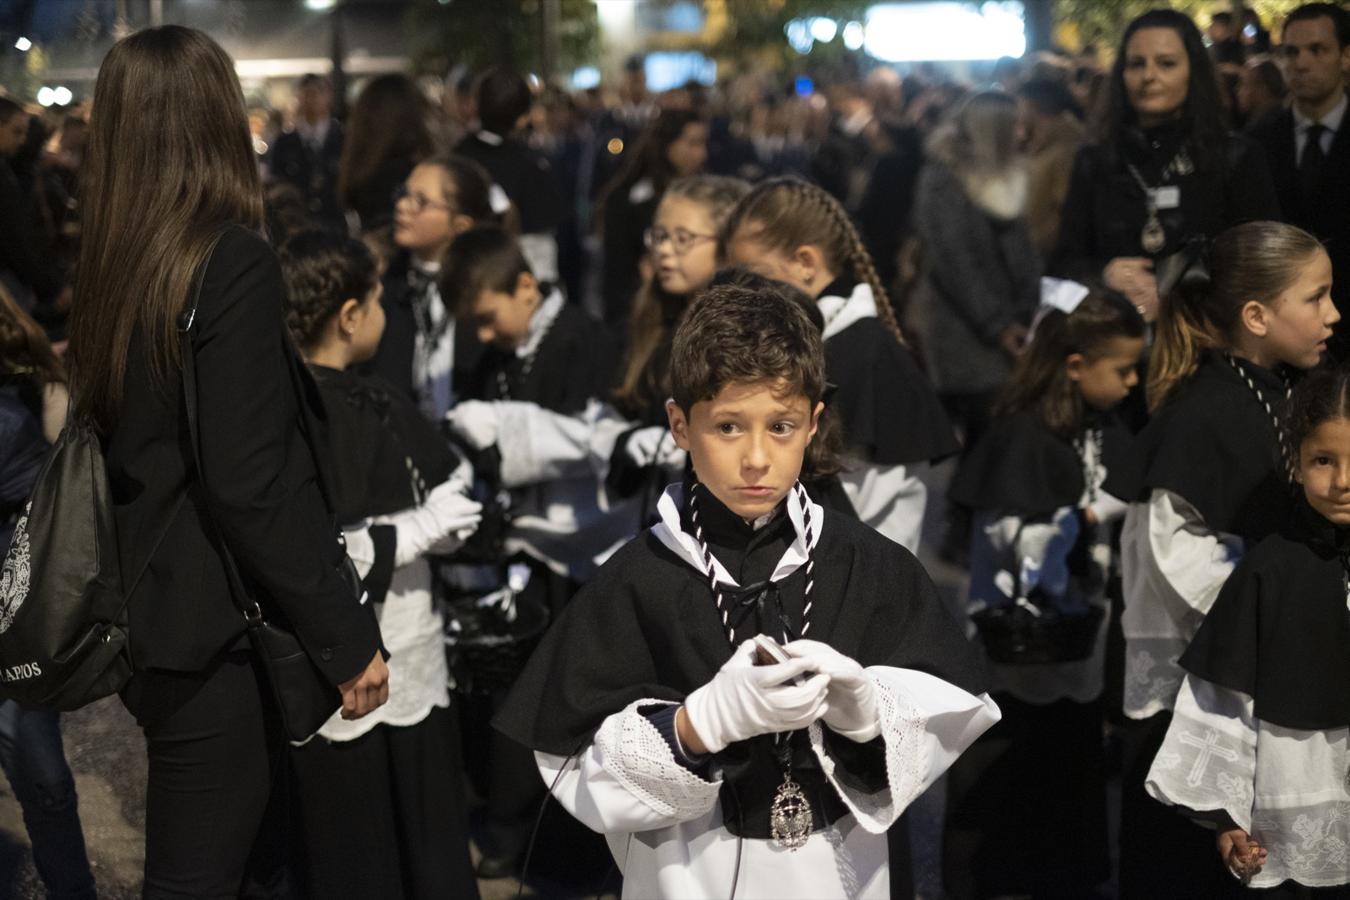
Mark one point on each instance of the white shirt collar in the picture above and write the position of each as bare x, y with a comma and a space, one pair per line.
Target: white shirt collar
313, 134
670, 532
1331, 121
540, 323
840, 312
491, 138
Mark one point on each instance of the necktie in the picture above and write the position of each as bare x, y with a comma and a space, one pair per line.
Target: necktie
1310, 167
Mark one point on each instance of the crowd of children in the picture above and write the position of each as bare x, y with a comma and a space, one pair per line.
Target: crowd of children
747, 676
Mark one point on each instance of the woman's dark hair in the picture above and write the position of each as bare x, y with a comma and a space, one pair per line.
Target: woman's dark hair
1202, 115
648, 158
736, 334
150, 217
24, 347
1252, 261
484, 258
1040, 382
1323, 395
387, 122
323, 270
503, 97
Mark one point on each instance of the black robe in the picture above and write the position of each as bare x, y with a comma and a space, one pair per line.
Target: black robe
647, 626
573, 364
1279, 631
1214, 444
1020, 467
889, 411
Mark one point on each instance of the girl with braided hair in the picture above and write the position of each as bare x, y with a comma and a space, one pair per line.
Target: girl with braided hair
893, 424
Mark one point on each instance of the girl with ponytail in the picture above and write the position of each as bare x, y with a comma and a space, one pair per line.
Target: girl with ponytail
1040, 553
1242, 318
893, 424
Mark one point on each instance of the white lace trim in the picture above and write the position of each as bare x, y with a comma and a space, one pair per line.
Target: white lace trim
903, 728
1152, 676
640, 760
16, 572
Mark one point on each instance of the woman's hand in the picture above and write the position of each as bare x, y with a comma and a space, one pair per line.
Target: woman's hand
366, 692
1241, 853
1133, 276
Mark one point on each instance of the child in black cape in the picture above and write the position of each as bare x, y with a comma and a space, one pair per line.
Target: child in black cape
1213, 478
1259, 744
709, 775
1040, 554
892, 421
399, 493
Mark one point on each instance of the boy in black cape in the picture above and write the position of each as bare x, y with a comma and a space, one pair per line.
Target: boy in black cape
715, 766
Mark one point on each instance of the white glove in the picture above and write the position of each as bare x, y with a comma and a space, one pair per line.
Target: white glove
851, 705
654, 446
476, 421
441, 524
745, 700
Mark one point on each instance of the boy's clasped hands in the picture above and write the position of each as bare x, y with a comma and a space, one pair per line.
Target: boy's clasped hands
745, 700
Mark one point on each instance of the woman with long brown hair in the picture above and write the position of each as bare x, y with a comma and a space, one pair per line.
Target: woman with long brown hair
387, 135
187, 200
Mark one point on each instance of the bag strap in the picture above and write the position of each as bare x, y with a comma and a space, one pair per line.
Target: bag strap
250, 609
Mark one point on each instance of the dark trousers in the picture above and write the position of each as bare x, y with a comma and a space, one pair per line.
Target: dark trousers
1161, 849
1026, 806
385, 815
215, 812
34, 761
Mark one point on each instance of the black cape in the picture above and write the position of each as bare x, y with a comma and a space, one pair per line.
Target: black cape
1280, 631
574, 363
381, 446
1021, 467
647, 627
1214, 444
888, 408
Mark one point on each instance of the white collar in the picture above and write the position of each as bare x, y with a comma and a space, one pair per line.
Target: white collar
670, 531
840, 313
314, 134
426, 268
540, 323
490, 138
1331, 121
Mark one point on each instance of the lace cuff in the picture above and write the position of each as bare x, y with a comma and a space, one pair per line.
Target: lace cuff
903, 728
633, 751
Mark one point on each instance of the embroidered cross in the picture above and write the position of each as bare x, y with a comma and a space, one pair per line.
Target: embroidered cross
1209, 748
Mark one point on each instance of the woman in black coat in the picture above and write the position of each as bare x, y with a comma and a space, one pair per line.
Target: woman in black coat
189, 197
1163, 167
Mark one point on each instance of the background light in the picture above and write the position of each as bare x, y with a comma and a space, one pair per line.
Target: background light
923, 32
320, 5
23, 45
854, 34
46, 96
585, 78
62, 96
823, 29
798, 33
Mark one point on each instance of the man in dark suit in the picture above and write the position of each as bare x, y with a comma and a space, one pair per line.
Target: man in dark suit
1308, 145
308, 155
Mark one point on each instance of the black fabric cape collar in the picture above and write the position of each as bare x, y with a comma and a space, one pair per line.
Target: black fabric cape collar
1280, 629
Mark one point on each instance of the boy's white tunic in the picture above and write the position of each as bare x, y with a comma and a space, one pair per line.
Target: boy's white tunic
664, 823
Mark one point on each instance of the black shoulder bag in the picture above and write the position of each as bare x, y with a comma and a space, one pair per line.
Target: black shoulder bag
304, 697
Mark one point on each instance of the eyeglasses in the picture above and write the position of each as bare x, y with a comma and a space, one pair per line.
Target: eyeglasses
681, 240
420, 202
